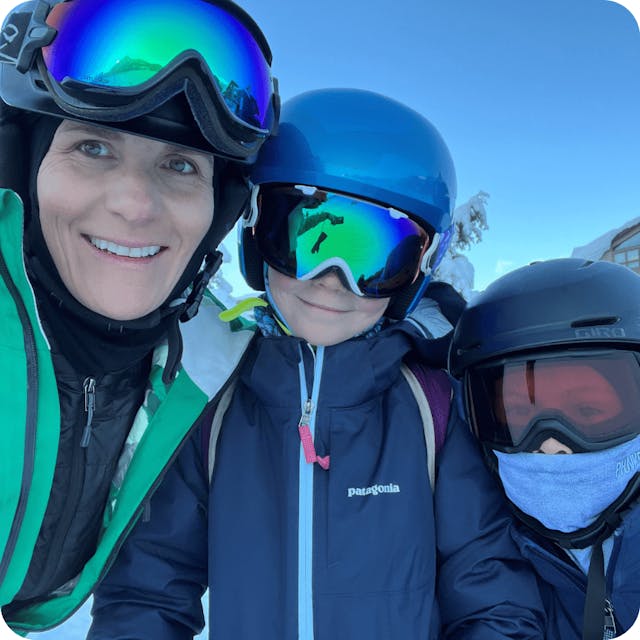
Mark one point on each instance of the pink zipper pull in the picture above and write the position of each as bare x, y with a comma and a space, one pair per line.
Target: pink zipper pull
306, 439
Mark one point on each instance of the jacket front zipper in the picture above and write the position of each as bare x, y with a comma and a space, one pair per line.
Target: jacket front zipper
308, 406
31, 420
89, 389
76, 480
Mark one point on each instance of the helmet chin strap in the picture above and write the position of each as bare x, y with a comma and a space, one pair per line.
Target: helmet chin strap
212, 262
272, 302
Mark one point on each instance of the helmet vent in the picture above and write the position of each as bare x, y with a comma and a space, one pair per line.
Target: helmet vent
594, 322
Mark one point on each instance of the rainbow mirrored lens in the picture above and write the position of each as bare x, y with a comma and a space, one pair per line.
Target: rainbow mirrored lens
122, 44
377, 249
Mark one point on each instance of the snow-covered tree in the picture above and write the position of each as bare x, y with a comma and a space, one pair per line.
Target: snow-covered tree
219, 285
469, 221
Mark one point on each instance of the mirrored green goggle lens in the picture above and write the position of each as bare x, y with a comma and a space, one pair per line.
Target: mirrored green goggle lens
378, 249
121, 44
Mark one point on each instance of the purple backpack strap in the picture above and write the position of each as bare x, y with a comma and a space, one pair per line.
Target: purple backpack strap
437, 388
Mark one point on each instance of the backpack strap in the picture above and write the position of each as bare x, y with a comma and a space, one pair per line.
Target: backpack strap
212, 424
432, 391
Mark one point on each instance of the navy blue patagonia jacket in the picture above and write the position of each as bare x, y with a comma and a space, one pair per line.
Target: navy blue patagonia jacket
293, 551
563, 584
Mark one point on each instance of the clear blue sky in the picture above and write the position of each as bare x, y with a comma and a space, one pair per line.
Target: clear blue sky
537, 100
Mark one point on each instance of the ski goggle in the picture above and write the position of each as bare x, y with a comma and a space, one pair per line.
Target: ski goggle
587, 400
303, 232
113, 60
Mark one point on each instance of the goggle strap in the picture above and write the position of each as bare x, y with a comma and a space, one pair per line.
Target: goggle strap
425, 264
21, 41
252, 217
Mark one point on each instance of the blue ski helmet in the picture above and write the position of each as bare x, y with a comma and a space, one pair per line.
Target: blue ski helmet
360, 144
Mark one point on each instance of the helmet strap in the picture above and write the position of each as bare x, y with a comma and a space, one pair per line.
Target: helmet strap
593, 617
212, 262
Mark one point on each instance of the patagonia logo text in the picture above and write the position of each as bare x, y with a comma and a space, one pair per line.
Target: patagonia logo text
373, 490
628, 464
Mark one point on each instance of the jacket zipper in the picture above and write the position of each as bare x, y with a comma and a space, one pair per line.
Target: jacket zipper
31, 419
89, 389
76, 484
305, 499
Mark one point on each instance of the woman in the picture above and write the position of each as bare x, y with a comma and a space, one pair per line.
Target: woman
98, 394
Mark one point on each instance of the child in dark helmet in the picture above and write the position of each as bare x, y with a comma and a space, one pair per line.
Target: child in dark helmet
306, 506
550, 359
111, 198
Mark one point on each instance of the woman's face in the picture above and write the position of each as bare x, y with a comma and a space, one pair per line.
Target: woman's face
122, 215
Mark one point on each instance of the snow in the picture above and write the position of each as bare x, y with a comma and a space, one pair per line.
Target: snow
76, 627
459, 273
469, 221
596, 248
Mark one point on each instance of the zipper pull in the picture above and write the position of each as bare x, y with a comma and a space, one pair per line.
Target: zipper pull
610, 630
89, 388
305, 419
306, 439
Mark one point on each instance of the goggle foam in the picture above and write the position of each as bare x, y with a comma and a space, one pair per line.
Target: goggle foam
304, 231
587, 400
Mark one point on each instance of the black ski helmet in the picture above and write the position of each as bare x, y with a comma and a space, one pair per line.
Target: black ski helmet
557, 305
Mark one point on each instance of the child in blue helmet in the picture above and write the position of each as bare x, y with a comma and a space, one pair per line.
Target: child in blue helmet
320, 520
549, 355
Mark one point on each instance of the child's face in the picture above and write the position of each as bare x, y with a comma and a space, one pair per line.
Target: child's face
322, 311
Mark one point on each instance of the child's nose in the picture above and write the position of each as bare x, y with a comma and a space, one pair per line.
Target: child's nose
551, 446
331, 280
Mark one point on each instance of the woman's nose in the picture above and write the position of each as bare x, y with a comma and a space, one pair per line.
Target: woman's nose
134, 198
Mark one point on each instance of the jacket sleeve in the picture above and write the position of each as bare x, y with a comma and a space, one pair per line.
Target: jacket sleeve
486, 590
153, 590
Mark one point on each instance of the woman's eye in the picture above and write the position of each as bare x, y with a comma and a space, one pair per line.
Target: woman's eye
180, 165
93, 148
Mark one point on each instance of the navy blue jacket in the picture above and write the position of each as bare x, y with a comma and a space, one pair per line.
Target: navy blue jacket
563, 584
296, 551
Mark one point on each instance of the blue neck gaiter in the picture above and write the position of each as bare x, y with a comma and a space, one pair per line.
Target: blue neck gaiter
568, 492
